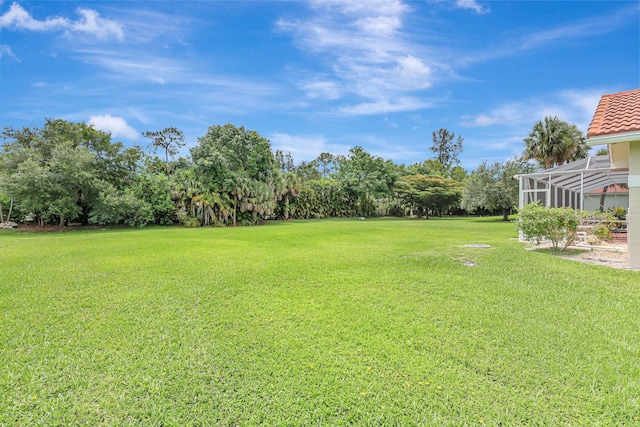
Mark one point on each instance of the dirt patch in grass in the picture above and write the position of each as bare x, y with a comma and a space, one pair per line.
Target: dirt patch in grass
616, 258
613, 255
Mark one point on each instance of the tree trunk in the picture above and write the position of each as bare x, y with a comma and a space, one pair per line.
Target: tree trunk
84, 208
505, 214
235, 209
286, 206
61, 224
10, 209
1, 215
603, 196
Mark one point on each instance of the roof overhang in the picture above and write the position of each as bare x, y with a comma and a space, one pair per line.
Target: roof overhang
618, 147
613, 138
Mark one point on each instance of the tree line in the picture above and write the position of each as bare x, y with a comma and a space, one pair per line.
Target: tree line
65, 172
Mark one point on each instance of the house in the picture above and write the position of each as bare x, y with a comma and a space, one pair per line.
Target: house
605, 198
616, 123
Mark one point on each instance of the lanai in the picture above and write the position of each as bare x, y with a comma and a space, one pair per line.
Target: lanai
572, 184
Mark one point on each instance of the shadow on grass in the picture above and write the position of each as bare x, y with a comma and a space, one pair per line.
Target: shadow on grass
51, 229
566, 252
487, 219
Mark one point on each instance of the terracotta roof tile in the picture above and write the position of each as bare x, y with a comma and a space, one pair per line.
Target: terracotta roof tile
616, 113
617, 188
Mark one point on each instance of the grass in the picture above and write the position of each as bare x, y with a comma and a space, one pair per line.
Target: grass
335, 322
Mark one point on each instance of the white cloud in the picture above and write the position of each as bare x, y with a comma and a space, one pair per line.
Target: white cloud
305, 147
396, 150
90, 22
222, 93
577, 29
574, 106
390, 123
308, 147
367, 54
158, 80
414, 73
379, 24
17, 17
6, 51
152, 26
117, 126
136, 64
385, 106
472, 5
385, 7
508, 114
506, 125
585, 27
322, 89
583, 103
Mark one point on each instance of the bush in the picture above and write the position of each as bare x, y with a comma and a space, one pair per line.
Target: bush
120, 207
557, 225
188, 220
155, 191
601, 232
618, 212
397, 210
618, 216
600, 224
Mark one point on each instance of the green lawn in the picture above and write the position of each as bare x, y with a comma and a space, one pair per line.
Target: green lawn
332, 322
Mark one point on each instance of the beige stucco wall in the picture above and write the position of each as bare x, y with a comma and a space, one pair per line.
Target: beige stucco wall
634, 204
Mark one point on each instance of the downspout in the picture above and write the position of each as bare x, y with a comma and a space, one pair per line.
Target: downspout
582, 189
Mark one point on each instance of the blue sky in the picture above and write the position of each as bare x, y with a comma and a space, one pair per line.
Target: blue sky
316, 76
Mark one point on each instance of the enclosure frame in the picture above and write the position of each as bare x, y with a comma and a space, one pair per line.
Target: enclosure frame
568, 185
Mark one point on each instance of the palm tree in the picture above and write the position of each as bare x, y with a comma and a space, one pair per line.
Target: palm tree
576, 143
241, 189
287, 186
553, 142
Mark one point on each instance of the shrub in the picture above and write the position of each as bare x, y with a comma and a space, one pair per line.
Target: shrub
117, 207
600, 224
618, 216
188, 220
602, 232
618, 212
558, 225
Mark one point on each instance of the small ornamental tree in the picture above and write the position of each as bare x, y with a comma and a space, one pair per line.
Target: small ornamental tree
424, 194
558, 225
